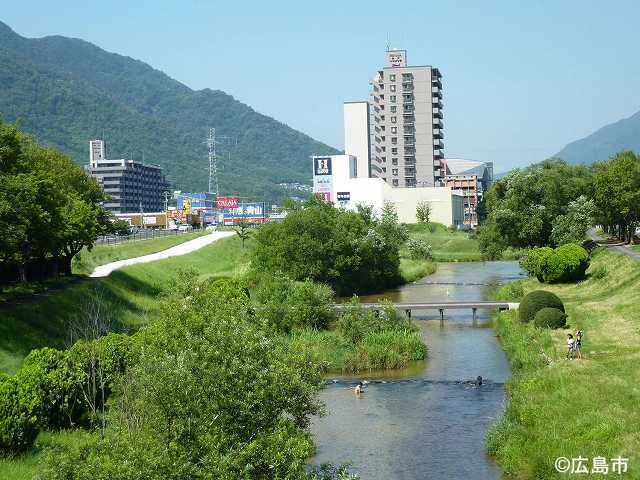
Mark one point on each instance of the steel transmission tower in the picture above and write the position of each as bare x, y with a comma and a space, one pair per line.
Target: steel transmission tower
213, 163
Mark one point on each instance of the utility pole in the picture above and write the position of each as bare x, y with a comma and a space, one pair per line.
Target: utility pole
166, 210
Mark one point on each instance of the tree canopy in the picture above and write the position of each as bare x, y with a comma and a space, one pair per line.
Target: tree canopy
350, 251
49, 208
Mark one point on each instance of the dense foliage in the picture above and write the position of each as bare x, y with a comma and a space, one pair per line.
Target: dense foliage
617, 194
328, 245
535, 301
382, 339
49, 208
67, 91
211, 394
521, 207
549, 317
60, 389
284, 305
419, 249
566, 263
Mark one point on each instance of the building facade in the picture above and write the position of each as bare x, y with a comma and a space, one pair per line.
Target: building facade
472, 179
335, 180
133, 187
408, 147
357, 135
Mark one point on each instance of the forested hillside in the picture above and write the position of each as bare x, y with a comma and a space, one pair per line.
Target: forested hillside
604, 142
66, 91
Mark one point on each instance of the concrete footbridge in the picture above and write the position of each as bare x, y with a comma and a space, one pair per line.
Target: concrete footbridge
408, 308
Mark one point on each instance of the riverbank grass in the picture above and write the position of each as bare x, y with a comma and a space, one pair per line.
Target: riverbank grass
570, 408
129, 294
448, 246
86, 261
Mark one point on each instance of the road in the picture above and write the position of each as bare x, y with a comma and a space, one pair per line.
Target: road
182, 249
616, 247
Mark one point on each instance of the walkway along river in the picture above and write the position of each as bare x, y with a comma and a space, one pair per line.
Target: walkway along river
427, 421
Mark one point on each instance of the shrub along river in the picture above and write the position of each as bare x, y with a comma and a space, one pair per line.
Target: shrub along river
427, 421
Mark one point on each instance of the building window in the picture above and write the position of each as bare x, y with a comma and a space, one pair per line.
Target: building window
394, 161
394, 140
392, 98
394, 129
392, 78
406, 76
384, 169
394, 171
394, 119
393, 109
395, 182
394, 151
392, 88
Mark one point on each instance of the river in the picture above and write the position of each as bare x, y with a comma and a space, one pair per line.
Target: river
425, 422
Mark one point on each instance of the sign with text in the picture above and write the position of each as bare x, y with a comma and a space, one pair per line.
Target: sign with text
322, 165
227, 202
245, 212
343, 196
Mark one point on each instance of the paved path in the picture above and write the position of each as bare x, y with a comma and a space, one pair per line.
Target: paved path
616, 247
182, 249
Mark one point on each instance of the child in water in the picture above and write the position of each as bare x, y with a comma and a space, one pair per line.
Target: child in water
359, 388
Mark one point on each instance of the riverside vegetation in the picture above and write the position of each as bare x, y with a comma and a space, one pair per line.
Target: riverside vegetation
570, 408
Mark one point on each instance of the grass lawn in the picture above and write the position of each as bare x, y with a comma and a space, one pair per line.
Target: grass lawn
636, 248
447, 246
129, 293
574, 408
86, 261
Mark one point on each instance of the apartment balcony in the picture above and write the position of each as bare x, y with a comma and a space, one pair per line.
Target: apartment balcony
410, 172
436, 102
436, 92
437, 114
409, 120
407, 87
408, 112
436, 83
437, 133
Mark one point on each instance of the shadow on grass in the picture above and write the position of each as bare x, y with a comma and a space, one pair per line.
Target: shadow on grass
46, 322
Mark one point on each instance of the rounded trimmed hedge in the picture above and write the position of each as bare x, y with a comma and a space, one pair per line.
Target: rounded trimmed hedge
567, 263
549, 317
535, 301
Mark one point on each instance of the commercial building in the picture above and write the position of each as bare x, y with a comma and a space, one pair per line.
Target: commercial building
133, 187
336, 179
472, 179
357, 135
408, 148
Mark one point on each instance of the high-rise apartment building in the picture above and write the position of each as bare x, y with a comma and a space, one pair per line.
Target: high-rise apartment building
408, 148
133, 187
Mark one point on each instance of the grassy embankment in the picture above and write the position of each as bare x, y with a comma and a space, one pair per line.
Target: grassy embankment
457, 246
572, 408
86, 261
130, 295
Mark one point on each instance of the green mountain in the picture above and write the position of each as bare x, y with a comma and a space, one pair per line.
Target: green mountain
66, 91
600, 145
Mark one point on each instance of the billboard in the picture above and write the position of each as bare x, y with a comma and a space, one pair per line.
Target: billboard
322, 165
227, 202
253, 212
323, 178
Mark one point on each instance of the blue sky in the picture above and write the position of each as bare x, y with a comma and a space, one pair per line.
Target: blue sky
520, 79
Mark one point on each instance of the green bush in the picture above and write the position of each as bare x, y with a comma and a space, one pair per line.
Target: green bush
510, 291
387, 349
567, 263
536, 301
549, 317
286, 305
19, 422
356, 322
419, 249
55, 387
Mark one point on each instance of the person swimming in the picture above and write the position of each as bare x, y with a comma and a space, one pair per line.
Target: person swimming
359, 388
478, 380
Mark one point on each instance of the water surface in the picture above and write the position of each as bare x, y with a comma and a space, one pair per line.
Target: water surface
427, 421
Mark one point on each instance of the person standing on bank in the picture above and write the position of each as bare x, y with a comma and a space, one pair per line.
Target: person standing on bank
571, 343
578, 344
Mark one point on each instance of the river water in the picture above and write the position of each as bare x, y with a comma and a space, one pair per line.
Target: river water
425, 421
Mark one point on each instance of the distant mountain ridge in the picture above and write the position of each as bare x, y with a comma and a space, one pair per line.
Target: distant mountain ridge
67, 91
604, 142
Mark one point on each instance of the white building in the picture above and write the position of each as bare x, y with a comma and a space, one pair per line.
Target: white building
337, 179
